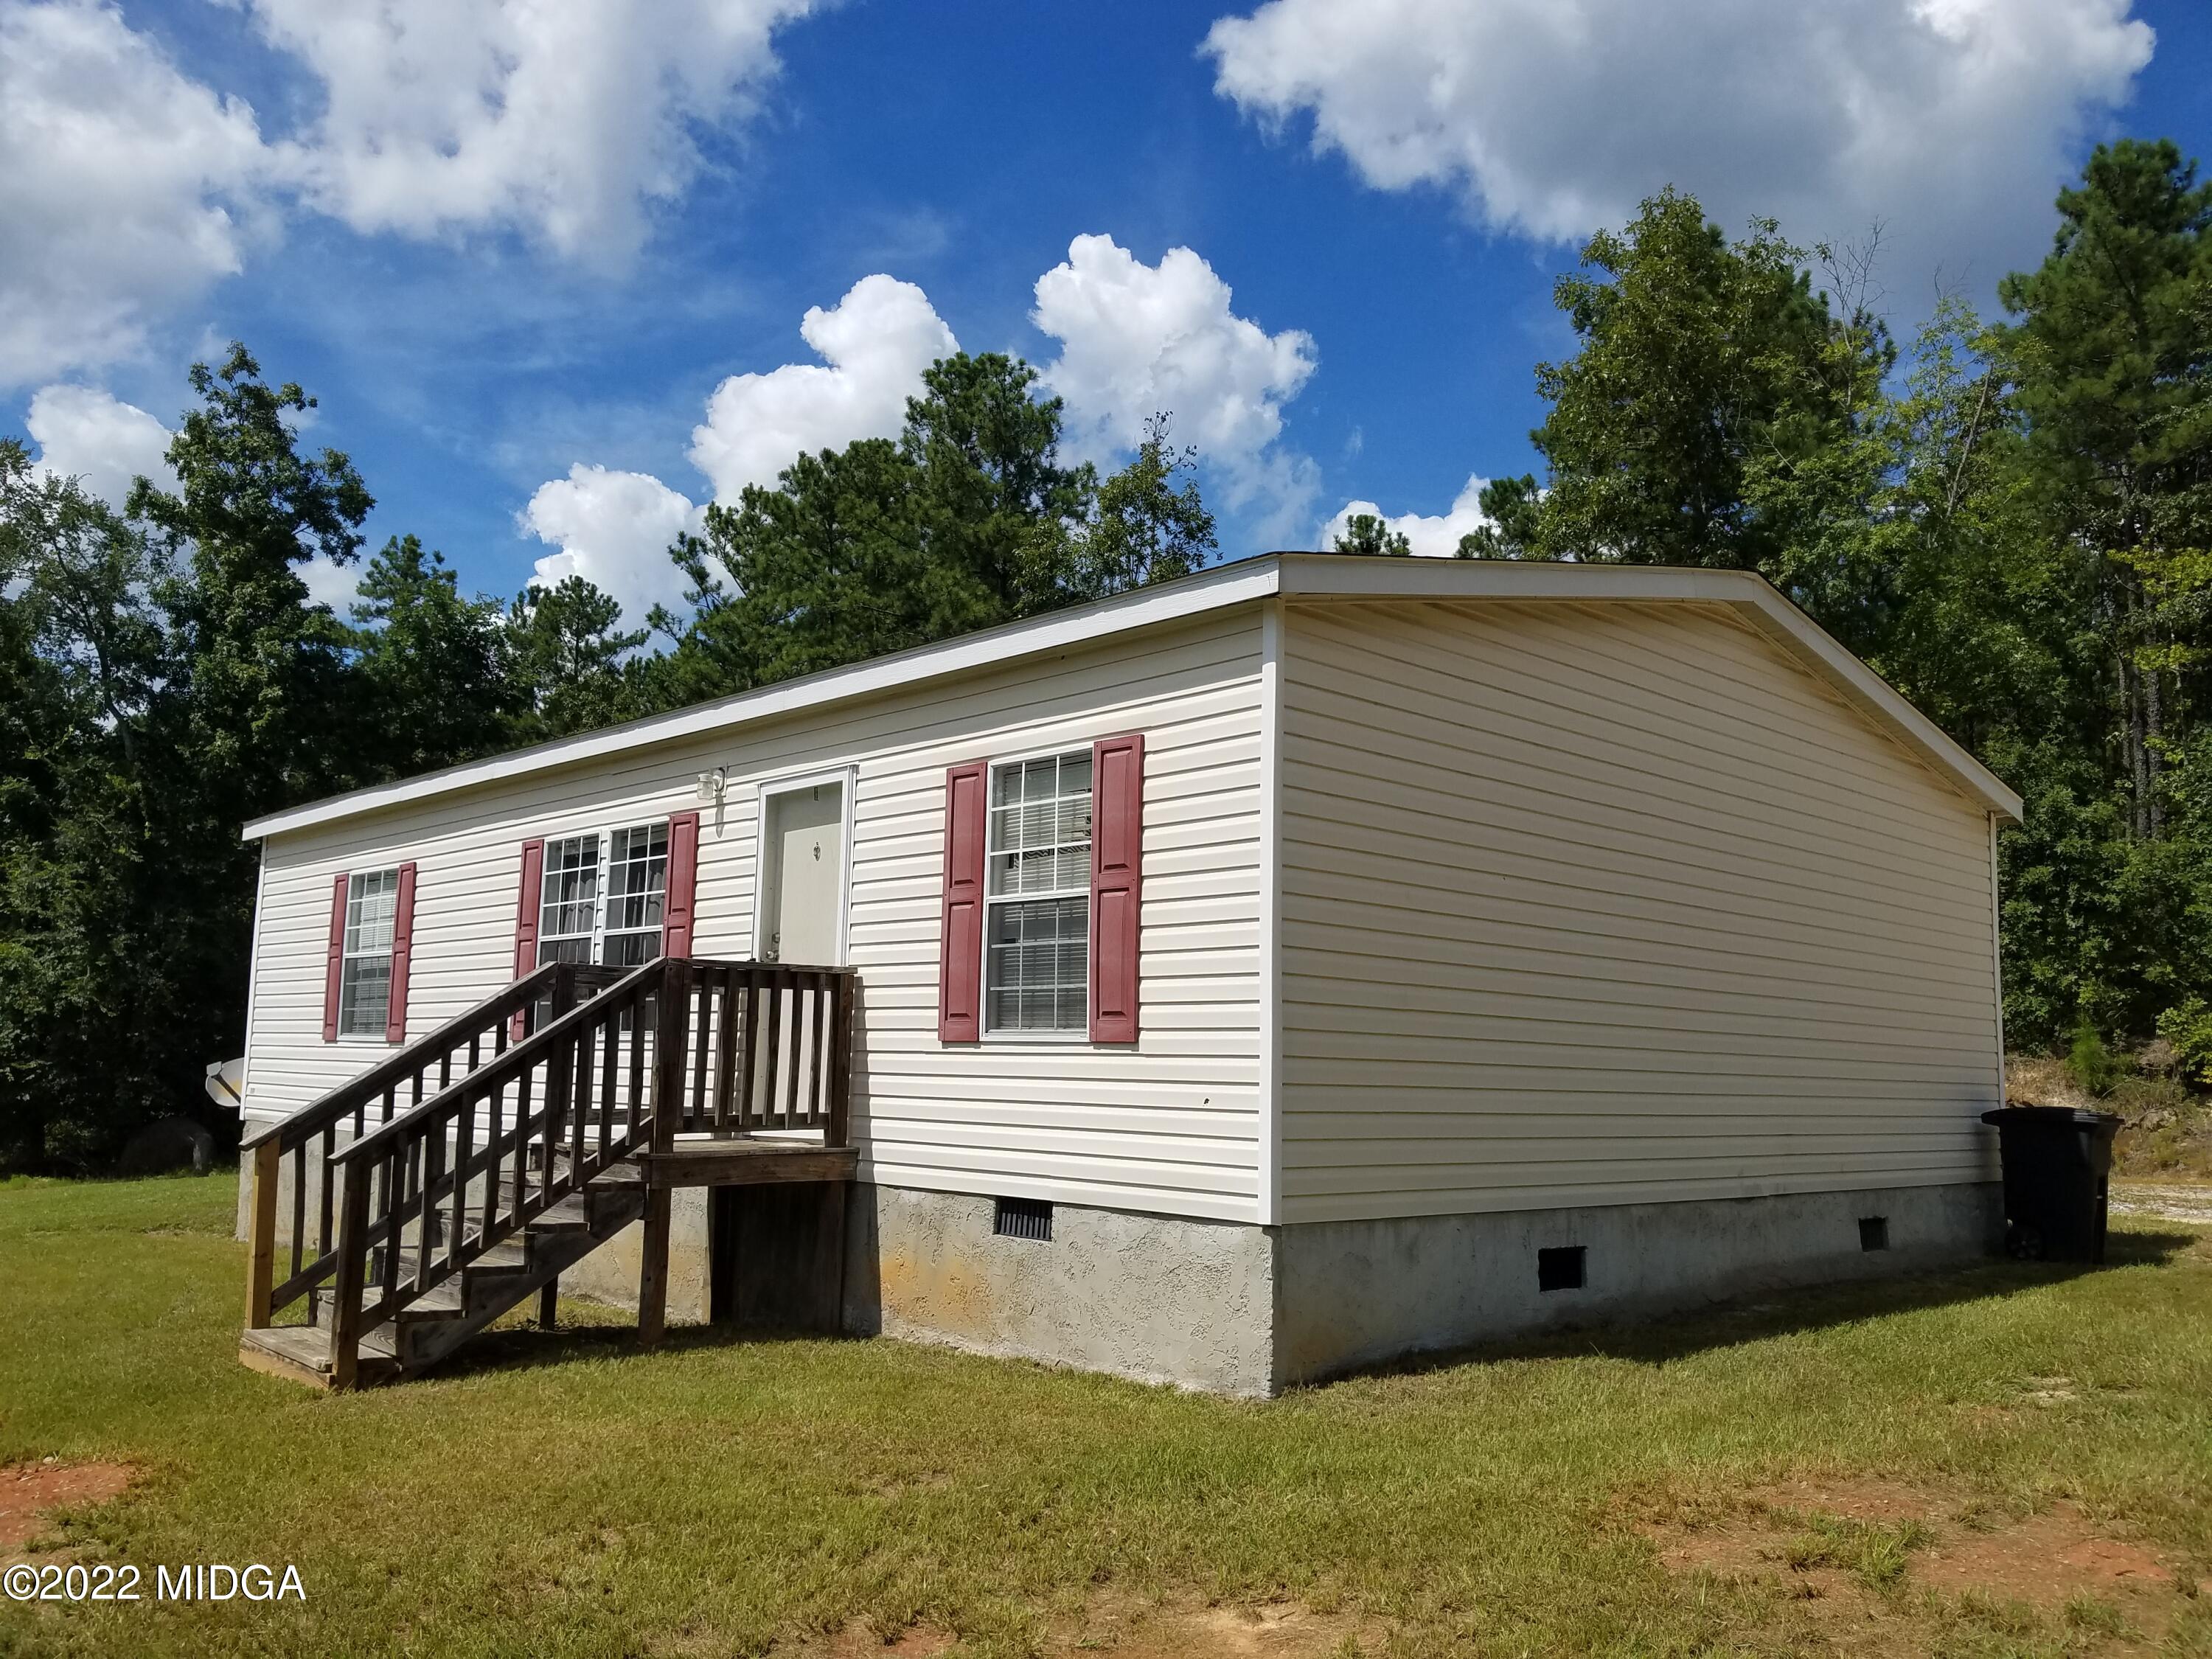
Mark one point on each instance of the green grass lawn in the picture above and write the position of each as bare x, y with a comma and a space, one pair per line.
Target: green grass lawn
560, 1494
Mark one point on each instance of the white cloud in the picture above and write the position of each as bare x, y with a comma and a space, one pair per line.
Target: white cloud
124, 187
1434, 537
87, 434
561, 121
877, 341
333, 585
1137, 339
1951, 120
613, 529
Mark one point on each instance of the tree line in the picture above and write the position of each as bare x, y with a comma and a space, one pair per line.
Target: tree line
2010, 518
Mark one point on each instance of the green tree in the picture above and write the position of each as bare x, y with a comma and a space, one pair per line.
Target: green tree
1719, 412
1142, 528
968, 519
434, 685
1364, 533
2113, 355
566, 658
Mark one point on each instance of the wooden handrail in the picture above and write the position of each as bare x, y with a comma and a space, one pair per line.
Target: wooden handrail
498, 1071
672, 1045
401, 1067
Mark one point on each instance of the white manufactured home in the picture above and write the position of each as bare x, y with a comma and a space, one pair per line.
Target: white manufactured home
1311, 962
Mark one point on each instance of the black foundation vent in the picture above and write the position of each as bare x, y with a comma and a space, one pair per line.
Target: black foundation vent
1560, 1269
1874, 1233
1022, 1218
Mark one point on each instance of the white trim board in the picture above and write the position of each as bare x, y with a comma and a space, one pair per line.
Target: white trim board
1318, 576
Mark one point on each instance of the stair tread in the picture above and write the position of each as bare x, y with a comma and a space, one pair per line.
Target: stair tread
309, 1346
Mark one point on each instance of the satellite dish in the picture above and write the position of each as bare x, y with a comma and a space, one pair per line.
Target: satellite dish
225, 1083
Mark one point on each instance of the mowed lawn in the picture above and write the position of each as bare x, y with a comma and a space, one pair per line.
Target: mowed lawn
560, 1494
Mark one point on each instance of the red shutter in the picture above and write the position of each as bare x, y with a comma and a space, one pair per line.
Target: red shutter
525, 909
1117, 847
683, 881
960, 955
526, 917
335, 966
402, 950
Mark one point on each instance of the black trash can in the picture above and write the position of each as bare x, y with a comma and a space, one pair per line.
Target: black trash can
2056, 1161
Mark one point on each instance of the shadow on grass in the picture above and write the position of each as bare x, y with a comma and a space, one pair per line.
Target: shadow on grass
1657, 1338
511, 1348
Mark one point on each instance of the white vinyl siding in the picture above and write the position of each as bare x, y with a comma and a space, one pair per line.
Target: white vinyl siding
1604, 905
1170, 1125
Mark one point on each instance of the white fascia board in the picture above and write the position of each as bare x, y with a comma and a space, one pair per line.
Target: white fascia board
1753, 598
1212, 590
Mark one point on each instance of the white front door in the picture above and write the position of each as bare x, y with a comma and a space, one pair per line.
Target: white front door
803, 884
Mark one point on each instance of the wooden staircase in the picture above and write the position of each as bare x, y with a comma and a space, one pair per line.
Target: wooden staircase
472, 1169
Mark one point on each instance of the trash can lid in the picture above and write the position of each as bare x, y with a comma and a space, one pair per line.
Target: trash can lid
2049, 1117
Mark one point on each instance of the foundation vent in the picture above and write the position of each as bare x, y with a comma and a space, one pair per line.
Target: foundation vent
1560, 1269
1874, 1233
1022, 1218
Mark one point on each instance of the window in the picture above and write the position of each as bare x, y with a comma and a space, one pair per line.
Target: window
1038, 895
603, 896
365, 974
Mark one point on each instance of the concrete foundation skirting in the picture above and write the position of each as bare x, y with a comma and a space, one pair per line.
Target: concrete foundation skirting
1360, 1293
1157, 1298
1235, 1309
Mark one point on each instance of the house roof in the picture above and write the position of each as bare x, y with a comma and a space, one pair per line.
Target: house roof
1292, 575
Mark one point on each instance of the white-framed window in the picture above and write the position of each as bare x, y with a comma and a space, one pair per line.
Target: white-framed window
1036, 896
603, 896
365, 971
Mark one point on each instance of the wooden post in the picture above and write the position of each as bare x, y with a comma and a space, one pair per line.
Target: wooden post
653, 1276
345, 1279
847, 990
261, 1233
668, 1074
549, 1301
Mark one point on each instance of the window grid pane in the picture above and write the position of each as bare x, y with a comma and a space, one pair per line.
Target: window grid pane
365, 969
569, 907
1036, 939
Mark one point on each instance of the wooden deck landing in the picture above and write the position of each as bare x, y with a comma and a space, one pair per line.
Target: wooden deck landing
746, 1164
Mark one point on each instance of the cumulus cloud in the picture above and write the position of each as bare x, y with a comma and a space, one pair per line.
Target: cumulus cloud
1434, 537
1952, 121
876, 342
613, 529
1137, 339
564, 122
84, 433
126, 188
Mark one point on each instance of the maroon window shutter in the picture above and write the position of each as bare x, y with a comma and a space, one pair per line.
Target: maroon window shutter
1117, 846
525, 909
334, 969
402, 950
525, 919
960, 955
682, 883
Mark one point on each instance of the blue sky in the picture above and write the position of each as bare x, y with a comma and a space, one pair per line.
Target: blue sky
516, 263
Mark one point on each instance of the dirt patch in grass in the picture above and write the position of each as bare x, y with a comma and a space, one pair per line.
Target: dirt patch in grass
29, 1492
1867, 1553
1127, 1627
862, 1640
1277, 1630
